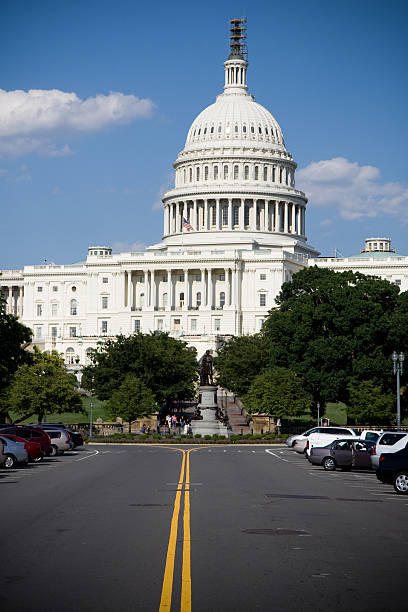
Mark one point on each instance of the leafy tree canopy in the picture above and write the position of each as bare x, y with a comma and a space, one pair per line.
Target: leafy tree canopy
42, 388
131, 400
278, 392
13, 337
239, 361
369, 405
165, 365
335, 329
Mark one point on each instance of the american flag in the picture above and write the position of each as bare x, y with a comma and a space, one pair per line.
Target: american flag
187, 225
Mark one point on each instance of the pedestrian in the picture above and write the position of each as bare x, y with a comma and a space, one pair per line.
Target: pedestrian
143, 429
158, 427
278, 426
174, 421
185, 428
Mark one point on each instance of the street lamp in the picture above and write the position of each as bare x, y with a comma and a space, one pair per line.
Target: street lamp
398, 362
91, 407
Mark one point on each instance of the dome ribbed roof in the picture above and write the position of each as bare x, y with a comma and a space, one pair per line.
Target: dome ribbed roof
235, 119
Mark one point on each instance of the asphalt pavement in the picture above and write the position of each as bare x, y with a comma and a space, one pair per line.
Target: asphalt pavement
117, 527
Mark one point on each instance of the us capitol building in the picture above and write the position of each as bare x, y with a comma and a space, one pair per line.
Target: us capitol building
234, 231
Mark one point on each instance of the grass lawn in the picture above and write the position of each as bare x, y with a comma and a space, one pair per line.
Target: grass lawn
98, 410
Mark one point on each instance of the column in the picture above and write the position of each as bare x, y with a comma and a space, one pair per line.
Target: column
285, 218
128, 288
227, 287
152, 289
217, 214
170, 289
195, 223
241, 219
276, 215
303, 221
209, 289
230, 219
203, 289
186, 296
165, 221
266, 216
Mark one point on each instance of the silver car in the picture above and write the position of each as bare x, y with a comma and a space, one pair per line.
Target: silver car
59, 441
15, 453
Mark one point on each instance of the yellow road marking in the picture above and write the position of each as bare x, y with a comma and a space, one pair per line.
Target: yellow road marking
186, 570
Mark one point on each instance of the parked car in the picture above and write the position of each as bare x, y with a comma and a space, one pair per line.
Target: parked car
15, 453
292, 439
60, 441
31, 433
33, 448
388, 442
343, 453
2, 455
393, 469
75, 436
321, 436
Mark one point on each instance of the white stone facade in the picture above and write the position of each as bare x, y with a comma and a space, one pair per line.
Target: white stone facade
234, 231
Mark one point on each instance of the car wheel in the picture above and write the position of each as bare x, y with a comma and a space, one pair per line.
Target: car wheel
329, 464
401, 483
54, 451
10, 461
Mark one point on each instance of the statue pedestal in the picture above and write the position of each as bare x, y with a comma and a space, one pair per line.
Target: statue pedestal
207, 405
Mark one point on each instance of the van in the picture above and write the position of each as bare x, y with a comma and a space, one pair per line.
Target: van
388, 442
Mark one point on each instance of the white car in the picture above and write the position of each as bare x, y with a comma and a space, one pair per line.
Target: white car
318, 433
388, 442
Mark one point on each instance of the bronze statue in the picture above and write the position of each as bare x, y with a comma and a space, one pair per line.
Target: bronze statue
206, 369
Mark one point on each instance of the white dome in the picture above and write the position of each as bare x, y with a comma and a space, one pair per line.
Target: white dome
235, 119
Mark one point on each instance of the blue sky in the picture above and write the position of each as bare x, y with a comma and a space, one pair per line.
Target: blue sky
84, 159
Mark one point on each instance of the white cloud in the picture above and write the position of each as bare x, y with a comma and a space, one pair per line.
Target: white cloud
126, 247
326, 222
158, 204
30, 120
356, 191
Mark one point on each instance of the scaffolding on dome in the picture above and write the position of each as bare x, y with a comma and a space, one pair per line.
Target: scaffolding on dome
238, 35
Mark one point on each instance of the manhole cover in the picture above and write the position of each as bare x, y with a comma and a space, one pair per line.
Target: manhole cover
277, 531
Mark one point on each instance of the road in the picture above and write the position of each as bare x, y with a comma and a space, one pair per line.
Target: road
231, 528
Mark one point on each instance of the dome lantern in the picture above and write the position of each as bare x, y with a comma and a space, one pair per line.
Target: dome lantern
236, 64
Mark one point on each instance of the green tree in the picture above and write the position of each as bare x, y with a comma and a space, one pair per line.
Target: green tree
278, 392
336, 329
131, 400
239, 361
165, 365
13, 339
369, 405
42, 388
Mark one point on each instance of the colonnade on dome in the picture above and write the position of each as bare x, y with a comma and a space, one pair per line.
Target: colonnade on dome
235, 214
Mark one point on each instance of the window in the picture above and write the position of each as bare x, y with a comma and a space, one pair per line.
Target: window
266, 131
105, 279
219, 129
225, 173
398, 282
181, 278
222, 299
176, 324
213, 215
236, 129
212, 130
137, 326
206, 173
246, 215
265, 173
205, 130
142, 300
55, 288
38, 332
39, 310
39, 289
256, 173
165, 299
54, 310
104, 327
198, 298
225, 215
280, 174
191, 174
262, 299
273, 175
193, 324
215, 173
235, 173
73, 289
72, 332
184, 175
70, 353
222, 277
246, 173
244, 129
262, 276
74, 307
389, 439
198, 277
104, 302
54, 332
252, 129
260, 130
181, 299
217, 324
197, 174
160, 324
236, 214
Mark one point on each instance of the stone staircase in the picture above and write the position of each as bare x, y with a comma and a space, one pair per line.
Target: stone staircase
237, 421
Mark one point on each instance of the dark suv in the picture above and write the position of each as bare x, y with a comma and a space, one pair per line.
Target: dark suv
393, 469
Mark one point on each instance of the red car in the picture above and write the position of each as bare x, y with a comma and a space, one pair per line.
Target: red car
34, 434
33, 449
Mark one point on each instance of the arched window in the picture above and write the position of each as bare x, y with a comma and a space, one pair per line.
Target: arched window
256, 173
212, 129
252, 129
184, 175
142, 300
244, 129
222, 299
236, 129
225, 215
181, 299
273, 174
266, 131
74, 307
236, 214
246, 173
265, 173
165, 299
191, 175
219, 129
199, 131
69, 356
225, 173
215, 173
197, 174
280, 175
198, 298
260, 129
205, 130
213, 215
235, 173
246, 215
206, 173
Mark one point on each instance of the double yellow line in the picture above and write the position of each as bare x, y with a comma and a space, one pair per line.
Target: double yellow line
184, 480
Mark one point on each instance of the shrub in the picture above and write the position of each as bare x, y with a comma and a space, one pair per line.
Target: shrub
197, 436
207, 437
